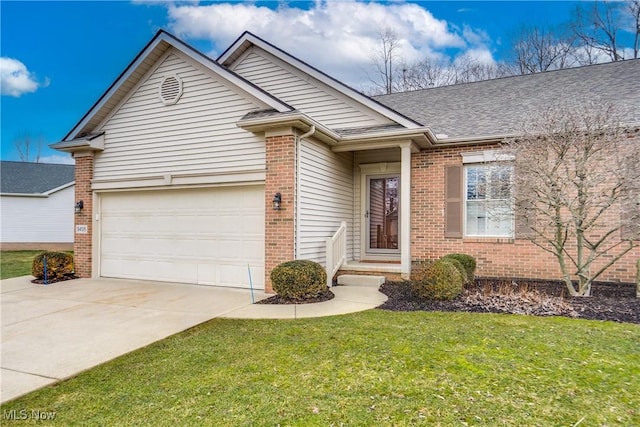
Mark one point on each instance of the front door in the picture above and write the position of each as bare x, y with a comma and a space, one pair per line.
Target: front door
382, 205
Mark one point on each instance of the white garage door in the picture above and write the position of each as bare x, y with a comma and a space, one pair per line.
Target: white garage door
204, 236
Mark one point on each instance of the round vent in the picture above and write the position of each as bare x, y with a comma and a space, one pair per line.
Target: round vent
170, 90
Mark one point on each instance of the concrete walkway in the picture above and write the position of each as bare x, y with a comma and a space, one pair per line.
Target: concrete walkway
53, 332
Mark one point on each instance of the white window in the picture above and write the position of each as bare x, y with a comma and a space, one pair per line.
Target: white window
488, 207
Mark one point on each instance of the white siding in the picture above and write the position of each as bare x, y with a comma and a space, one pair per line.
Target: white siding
37, 219
198, 135
304, 93
326, 199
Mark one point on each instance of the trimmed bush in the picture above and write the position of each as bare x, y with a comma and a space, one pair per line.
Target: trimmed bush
442, 281
299, 280
419, 270
468, 262
458, 265
59, 264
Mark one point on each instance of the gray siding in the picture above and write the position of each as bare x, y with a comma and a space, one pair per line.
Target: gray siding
304, 93
198, 135
326, 199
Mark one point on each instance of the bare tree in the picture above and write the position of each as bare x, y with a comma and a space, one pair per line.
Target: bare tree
576, 174
425, 74
598, 26
466, 69
634, 15
385, 58
536, 49
28, 148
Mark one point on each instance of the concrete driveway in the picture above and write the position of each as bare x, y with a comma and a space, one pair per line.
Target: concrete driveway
53, 332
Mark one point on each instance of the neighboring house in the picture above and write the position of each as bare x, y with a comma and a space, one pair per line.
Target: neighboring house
36, 206
182, 163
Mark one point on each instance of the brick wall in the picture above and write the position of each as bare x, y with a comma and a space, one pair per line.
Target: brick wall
496, 257
279, 224
83, 242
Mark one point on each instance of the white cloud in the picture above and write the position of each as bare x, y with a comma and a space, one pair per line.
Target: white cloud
16, 79
339, 38
58, 159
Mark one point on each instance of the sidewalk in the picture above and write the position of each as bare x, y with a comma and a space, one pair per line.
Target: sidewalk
53, 332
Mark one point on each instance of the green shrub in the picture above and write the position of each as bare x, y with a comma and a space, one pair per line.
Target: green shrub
442, 281
468, 262
419, 270
59, 264
299, 280
458, 265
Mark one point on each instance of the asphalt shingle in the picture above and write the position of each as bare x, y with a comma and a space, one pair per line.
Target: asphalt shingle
500, 106
33, 178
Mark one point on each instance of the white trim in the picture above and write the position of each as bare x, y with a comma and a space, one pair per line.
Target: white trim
177, 180
464, 208
485, 156
404, 206
368, 170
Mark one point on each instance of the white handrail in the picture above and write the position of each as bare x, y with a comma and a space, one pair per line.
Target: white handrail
336, 251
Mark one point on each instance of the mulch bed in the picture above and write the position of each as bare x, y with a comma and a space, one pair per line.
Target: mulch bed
277, 299
51, 281
609, 301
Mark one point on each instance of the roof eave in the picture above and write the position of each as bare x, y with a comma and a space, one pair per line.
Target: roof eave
85, 143
295, 120
479, 139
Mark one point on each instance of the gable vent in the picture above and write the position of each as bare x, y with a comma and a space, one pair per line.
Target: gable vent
170, 90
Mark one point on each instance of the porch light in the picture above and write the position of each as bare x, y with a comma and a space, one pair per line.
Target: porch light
277, 201
79, 206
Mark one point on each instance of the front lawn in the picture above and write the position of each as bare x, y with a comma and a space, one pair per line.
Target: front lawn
16, 263
372, 368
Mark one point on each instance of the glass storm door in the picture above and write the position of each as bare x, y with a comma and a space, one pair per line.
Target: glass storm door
382, 213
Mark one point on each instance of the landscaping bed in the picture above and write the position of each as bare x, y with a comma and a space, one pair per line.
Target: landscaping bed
277, 299
609, 301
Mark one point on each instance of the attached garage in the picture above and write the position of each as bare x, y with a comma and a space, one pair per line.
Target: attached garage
206, 236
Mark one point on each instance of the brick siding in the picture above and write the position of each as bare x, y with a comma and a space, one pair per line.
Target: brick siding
496, 257
279, 224
83, 242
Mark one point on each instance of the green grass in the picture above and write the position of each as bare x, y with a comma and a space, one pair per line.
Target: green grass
16, 263
372, 368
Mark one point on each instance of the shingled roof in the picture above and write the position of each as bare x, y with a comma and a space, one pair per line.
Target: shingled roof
500, 106
33, 178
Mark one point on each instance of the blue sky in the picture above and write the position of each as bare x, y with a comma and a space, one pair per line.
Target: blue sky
68, 53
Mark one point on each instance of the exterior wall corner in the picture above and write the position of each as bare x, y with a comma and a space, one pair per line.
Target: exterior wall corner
279, 224
83, 242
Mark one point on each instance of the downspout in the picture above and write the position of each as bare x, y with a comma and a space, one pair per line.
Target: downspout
297, 195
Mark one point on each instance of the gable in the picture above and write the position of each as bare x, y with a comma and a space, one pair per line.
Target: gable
303, 92
139, 67
197, 135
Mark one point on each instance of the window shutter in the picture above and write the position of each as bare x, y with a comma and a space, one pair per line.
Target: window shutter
630, 218
453, 201
522, 218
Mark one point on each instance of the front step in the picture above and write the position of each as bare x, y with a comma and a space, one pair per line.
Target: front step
359, 280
